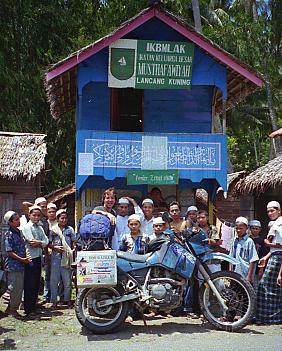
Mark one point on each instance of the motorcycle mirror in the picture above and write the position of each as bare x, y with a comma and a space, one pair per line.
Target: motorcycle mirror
166, 217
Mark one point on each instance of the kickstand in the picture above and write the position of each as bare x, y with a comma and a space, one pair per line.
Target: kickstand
140, 310
144, 320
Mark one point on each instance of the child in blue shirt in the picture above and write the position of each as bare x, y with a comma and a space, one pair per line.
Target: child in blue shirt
244, 250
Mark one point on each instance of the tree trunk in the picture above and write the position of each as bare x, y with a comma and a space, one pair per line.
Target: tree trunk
255, 150
197, 16
255, 11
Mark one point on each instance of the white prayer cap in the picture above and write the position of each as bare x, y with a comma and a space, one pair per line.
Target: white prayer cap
51, 205
158, 220
148, 201
242, 220
192, 208
134, 217
63, 210
274, 204
123, 201
254, 223
8, 215
39, 200
34, 207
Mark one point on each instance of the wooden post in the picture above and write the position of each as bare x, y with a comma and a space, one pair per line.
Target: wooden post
223, 116
210, 211
78, 212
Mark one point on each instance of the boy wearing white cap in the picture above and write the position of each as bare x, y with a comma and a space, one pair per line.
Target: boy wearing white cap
244, 250
36, 240
62, 243
191, 218
159, 227
51, 221
269, 295
255, 229
51, 215
146, 217
122, 220
15, 261
134, 242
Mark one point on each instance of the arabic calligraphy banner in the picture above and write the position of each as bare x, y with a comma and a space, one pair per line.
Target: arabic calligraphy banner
111, 154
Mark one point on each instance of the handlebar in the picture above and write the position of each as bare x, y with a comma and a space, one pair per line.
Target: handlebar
190, 233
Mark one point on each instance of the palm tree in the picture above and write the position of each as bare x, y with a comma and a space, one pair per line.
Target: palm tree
196, 15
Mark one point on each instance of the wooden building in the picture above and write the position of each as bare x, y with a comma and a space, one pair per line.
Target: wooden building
146, 97
64, 198
22, 158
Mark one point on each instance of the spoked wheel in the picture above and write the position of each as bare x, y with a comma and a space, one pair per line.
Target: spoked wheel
100, 320
239, 297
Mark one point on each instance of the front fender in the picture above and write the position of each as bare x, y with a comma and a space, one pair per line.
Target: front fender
218, 256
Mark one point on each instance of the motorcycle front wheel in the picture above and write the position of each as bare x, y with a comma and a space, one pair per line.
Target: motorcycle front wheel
239, 297
100, 320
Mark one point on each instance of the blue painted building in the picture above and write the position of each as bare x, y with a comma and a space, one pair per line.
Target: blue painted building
121, 127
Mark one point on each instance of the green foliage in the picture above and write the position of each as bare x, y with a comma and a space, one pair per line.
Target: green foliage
251, 30
36, 33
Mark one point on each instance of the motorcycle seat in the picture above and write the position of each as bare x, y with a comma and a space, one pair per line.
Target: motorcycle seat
133, 257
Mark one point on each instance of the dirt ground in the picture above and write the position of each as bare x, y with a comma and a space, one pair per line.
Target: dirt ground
58, 329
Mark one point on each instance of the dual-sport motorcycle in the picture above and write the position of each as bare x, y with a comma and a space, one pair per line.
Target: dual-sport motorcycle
157, 280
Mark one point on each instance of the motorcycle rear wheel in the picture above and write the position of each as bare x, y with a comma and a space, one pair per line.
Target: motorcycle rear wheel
239, 297
100, 320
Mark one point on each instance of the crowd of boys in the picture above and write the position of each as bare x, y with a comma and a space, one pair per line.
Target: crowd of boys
46, 240
47, 234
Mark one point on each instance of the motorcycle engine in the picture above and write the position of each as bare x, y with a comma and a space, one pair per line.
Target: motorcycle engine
165, 297
159, 291
165, 290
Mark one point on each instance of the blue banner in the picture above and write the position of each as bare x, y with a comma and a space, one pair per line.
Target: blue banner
111, 154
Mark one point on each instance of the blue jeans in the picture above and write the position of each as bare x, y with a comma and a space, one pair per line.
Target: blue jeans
188, 298
58, 273
47, 290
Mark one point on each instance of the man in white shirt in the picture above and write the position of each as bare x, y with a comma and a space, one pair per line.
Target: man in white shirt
122, 219
269, 295
121, 222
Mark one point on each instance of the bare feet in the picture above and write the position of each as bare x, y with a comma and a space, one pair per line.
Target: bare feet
128, 319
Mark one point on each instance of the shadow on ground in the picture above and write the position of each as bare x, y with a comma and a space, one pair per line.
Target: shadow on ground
158, 330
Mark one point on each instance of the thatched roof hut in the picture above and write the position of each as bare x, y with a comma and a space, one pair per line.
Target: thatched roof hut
65, 198
21, 155
263, 178
232, 179
59, 194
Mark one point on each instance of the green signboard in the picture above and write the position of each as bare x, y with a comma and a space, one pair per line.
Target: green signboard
147, 64
157, 177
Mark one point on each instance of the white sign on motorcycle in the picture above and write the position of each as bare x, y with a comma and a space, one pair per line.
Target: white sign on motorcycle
96, 268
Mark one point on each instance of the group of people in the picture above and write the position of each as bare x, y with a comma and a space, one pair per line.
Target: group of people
259, 258
133, 229
44, 240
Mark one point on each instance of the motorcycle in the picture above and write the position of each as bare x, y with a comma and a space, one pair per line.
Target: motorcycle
156, 281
